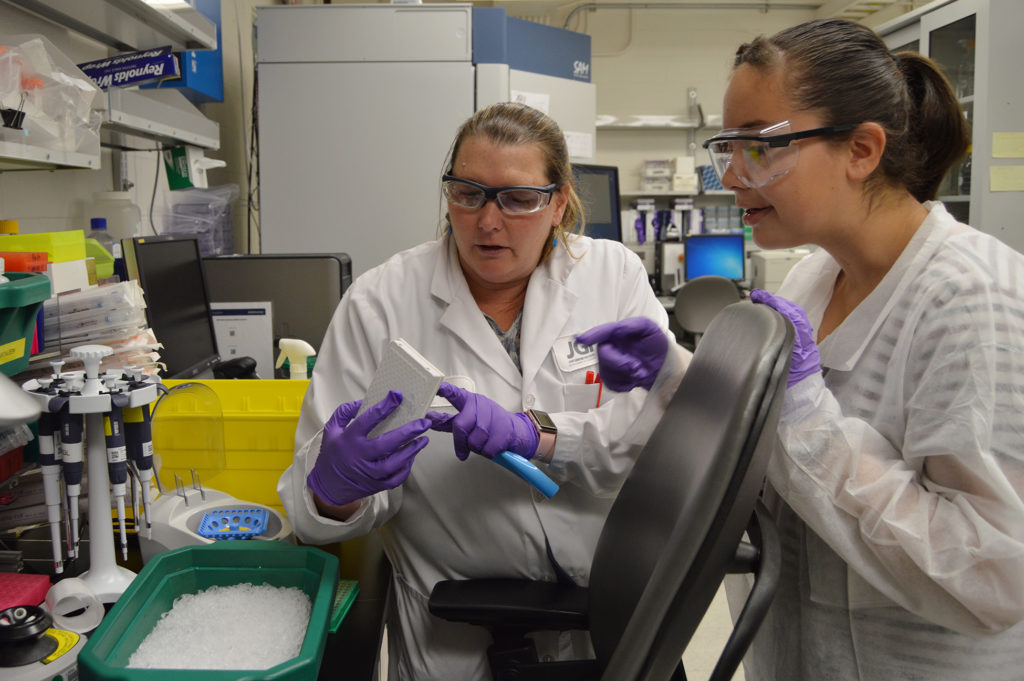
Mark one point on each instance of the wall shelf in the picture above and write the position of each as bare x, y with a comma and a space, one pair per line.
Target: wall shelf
163, 115
15, 156
129, 25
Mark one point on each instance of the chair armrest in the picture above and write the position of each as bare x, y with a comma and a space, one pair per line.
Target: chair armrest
511, 604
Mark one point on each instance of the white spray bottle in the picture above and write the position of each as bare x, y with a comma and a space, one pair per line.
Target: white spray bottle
295, 351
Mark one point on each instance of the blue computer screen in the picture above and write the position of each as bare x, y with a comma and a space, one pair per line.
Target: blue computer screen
718, 254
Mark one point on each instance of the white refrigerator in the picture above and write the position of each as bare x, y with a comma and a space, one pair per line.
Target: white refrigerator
357, 108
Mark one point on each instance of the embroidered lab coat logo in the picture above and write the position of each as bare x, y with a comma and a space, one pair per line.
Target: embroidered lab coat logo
571, 355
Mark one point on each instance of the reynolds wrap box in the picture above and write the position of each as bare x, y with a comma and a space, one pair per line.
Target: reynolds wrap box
133, 68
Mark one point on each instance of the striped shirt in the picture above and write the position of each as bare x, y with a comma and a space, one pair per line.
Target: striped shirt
899, 475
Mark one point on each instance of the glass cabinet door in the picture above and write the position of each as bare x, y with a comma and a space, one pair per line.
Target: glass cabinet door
953, 46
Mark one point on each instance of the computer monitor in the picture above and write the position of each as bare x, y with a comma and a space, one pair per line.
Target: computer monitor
598, 189
169, 269
303, 288
718, 254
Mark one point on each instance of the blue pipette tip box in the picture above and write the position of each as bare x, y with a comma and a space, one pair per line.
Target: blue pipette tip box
241, 523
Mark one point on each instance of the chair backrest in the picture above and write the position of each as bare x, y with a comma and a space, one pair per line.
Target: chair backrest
700, 299
681, 513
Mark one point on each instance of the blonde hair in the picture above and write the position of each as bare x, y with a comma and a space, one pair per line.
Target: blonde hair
509, 123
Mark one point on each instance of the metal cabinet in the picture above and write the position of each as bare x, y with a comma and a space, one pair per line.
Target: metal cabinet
977, 45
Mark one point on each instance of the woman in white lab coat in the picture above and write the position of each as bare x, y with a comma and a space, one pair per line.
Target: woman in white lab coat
898, 482
496, 303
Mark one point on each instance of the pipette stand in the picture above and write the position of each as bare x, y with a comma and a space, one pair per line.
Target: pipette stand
105, 577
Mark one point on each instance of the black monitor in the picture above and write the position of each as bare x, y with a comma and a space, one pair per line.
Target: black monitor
303, 288
719, 254
169, 269
598, 189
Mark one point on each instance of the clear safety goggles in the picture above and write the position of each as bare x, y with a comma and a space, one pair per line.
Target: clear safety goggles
515, 200
759, 156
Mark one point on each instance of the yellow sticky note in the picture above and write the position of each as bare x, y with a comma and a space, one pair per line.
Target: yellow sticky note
1008, 145
1006, 178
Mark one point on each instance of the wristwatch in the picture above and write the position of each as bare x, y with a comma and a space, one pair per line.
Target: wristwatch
547, 432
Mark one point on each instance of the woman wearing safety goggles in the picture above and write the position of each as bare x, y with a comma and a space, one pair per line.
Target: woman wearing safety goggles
898, 479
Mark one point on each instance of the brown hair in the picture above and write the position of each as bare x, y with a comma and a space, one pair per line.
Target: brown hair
509, 123
844, 71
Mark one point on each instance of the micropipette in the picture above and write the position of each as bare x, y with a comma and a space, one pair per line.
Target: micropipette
71, 427
50, 462
139, 437
117, 457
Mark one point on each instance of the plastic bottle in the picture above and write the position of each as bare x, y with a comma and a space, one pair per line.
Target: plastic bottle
295, 351
101, 234
124, 218
98, 231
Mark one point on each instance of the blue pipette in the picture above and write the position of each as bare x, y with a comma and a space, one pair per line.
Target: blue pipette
528, 472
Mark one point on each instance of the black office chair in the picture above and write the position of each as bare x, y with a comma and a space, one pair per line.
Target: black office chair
700, 299
672, 534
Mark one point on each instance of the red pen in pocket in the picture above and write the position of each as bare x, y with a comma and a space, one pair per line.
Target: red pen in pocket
593, 378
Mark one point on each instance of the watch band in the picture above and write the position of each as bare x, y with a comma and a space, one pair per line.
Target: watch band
547, 433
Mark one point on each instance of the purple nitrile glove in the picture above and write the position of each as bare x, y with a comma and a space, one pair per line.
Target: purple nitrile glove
351, 466
806, 360
483, 426
630, 352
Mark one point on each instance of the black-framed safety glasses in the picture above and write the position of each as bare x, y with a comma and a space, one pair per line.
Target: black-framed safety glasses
515, 200
759, 156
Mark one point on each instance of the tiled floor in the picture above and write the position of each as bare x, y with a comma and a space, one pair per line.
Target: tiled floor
702, 653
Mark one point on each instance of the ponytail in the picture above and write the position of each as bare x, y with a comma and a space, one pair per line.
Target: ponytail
939, 131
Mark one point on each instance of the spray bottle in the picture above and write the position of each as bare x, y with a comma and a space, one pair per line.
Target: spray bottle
295, 351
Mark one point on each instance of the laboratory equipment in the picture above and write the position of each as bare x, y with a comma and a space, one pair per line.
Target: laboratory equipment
80, 399
598, 189
404, 369
303, 288
31, 649
170, 271
178, 516
723, 255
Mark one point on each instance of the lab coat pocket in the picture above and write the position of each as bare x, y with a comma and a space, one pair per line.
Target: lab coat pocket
581, 397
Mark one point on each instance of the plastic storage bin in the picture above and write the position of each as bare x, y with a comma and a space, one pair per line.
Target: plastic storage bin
192, 569
20, 300
259, 419
205, 213
59, 246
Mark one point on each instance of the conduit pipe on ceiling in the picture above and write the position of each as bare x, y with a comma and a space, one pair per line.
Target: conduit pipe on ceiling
765, 6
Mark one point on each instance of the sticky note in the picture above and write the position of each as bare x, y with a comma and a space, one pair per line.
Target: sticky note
1008, 145
1006, 178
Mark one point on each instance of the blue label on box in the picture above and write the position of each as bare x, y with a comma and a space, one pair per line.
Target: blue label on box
133, 68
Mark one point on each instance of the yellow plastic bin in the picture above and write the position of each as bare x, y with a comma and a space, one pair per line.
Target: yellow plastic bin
20, 300
259, 419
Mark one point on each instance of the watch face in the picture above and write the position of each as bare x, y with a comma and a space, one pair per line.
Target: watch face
543, 420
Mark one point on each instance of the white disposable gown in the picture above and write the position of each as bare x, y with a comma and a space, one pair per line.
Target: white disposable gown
454, 519
899, 475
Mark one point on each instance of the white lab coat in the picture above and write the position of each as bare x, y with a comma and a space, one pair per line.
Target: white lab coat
899, 477
454, 519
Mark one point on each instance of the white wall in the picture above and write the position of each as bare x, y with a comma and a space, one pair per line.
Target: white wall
644, 60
